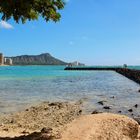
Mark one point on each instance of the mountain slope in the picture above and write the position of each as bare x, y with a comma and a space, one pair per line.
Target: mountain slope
42, 59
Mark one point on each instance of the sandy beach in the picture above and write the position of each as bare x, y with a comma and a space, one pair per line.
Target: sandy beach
46, 115
65, 121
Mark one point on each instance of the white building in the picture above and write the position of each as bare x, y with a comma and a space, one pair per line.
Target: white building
8, 61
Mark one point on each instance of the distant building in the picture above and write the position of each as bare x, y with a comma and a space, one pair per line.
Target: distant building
8, 61
76, 63
1, 59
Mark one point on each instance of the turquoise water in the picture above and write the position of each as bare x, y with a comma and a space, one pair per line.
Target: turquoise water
22, 86
134, 67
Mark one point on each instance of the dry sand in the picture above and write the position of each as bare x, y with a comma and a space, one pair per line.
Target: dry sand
104, 126
46, 115
63, 121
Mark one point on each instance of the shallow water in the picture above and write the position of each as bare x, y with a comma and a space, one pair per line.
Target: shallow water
23, 86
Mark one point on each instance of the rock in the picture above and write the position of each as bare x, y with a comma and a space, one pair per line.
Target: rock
5, 129
53, 104
136, 105
137, 119
80, 111
25, 132
101, 102
46, 130
27, 109
130, 110
12, 121
112, 97
96, 112
106, 107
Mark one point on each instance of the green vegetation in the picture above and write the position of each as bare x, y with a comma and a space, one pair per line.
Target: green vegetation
23, 10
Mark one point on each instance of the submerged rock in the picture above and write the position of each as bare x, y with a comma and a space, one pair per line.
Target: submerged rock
136, 105
106, 107
101, 102
130, 110
112, 97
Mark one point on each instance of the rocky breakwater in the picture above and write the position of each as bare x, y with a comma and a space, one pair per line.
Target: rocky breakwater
130, 73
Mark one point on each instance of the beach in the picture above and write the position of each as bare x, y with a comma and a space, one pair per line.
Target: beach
51, 115
65, 121
46, 101
69, 70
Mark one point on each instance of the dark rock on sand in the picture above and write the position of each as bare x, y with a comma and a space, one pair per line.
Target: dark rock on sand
80, 111
96, 112
46, 130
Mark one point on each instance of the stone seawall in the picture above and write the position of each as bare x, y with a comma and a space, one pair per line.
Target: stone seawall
129, 73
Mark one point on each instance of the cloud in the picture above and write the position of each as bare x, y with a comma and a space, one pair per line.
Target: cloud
5, 25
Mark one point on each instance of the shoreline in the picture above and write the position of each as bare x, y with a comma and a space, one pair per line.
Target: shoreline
53, 118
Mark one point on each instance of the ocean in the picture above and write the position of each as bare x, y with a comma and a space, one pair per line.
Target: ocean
24, 86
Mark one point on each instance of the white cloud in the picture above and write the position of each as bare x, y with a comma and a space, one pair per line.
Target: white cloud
5, 25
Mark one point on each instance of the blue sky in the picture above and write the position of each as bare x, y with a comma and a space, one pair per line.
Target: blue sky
95, 32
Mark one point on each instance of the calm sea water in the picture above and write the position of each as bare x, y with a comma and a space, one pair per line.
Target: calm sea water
22, 86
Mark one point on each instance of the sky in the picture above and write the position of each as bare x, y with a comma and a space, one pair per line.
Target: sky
94, 32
